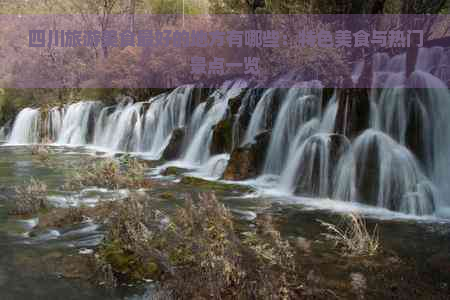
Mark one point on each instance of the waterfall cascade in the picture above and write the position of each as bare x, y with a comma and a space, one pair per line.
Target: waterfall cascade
399, 159
26, 129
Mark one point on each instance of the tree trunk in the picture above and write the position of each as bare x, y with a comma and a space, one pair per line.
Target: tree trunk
131, 12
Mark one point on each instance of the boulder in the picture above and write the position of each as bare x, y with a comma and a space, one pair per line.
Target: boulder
173, 149
235, 103
353, 113
173, 171
222, 139
247, 161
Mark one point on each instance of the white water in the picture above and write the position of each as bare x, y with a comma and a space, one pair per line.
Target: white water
198, 149
295, 112
3, 135
401, 162
75, 124
26, 127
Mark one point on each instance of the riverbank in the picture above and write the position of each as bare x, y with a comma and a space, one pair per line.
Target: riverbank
412, 262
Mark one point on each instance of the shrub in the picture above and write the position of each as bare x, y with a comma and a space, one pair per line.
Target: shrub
30, 198
110, 174
40, 152
198, 253
354, 237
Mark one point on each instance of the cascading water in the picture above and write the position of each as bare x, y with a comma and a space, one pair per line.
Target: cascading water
76, 124
398, 161
4, 131
54, 123
297, 109
381, 172
165, 115
26, 129
120, 130
260, 115
198, 151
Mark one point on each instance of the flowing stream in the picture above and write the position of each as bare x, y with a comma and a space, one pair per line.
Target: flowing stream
398, 161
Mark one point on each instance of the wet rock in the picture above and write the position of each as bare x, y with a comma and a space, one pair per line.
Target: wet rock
312, 278
278, 97
173, 149
3, 277
222, 139
327, 94
198, 96
418, 129
235, 103
303, 244
213, 185
367, 179
168, 196
173, 171
247, 161
358, 284
316, 179
440, 262
353, 113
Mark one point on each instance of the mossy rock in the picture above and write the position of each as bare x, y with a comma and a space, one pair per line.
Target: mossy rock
213, 185
248, 161
127, 264
173, 171
168, 196
222, 140
174, 148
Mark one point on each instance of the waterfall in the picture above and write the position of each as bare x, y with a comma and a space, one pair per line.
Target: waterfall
77, 122
121, 129
296, 110
26, 129
259, 120
5, 130
198, 149
399, 160
165, 115
380, 172
54, 123
310, 169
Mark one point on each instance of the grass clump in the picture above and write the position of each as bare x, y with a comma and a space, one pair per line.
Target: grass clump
111, 174
30, 198
353, 236
40, 152
197, 253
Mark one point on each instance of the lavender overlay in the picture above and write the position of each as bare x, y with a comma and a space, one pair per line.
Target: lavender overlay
166, 51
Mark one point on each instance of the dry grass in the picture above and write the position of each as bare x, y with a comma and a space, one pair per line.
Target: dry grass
196, 252
40, 152
111, 174
354, 236
30, 198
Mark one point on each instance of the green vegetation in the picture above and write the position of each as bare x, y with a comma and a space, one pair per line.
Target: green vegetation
213, 185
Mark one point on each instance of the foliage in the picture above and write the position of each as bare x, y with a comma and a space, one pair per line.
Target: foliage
40, 152
354, 237
30, 198
197, 252
110, 174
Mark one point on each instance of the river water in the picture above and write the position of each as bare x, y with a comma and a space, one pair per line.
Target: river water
30, 265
